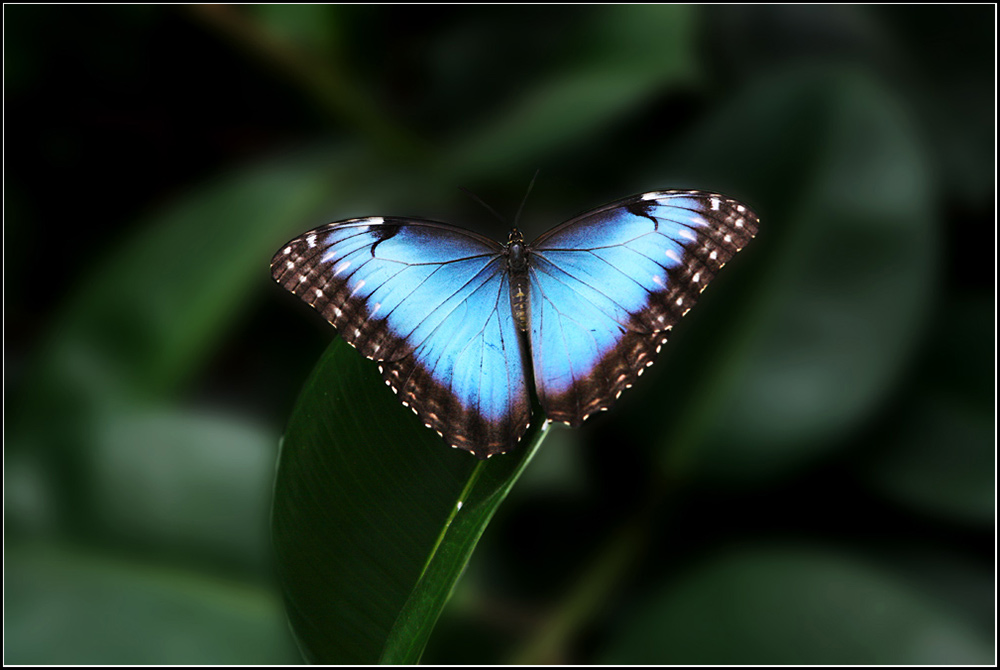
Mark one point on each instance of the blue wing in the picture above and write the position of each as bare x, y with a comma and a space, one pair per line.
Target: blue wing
606, 287
430, 302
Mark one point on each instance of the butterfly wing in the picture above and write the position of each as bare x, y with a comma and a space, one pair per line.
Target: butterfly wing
606, 287
430, 302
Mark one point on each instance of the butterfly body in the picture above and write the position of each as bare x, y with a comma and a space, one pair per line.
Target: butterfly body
459, 322
517, 266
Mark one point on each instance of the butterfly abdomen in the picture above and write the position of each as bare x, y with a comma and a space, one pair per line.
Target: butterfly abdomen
519, 301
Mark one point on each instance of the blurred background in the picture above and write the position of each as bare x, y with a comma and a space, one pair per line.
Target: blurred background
808, 474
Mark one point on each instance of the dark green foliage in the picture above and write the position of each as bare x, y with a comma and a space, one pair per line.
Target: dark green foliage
806, 476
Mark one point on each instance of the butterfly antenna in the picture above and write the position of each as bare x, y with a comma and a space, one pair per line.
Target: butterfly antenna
525, 198
481, 202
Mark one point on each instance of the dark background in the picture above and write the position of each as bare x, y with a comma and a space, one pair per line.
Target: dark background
157, 156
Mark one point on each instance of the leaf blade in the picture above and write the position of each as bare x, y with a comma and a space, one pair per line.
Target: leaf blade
365, 521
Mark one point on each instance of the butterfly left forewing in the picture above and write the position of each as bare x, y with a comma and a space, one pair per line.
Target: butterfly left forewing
608, 285
428, 301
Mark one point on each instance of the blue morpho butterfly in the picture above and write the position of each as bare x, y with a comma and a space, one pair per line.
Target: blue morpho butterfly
458, 322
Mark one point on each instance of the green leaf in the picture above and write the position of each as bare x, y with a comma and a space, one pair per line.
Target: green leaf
71, 606
940, 457
154, 306
312, 28
151, 312
152, 309
627, 55
942, 461
374, 517
774, 606
184, 484
187, 485
836, 287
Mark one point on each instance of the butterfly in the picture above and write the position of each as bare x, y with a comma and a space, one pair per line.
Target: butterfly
460, 323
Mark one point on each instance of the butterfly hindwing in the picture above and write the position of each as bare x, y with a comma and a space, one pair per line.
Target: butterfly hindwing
430, 302
606, 287
465, 379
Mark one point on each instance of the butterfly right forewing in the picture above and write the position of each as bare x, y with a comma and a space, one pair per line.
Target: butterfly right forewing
608, 285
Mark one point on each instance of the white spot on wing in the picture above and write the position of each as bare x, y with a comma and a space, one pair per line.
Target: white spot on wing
687, 234
311, 241
672, 255
357, 287
343, 265
715, 203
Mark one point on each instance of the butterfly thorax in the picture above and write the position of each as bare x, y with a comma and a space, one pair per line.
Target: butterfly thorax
517, 269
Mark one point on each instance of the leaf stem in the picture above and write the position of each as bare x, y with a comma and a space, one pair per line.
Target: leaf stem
451, 551
594, 586
462, 497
